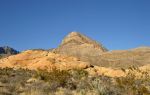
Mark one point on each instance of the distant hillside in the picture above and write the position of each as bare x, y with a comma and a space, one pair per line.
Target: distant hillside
124, 58
6, 51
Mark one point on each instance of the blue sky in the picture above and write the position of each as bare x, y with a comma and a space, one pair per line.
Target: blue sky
117, 24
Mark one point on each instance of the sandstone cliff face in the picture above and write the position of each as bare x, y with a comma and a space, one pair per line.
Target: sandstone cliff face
36, 59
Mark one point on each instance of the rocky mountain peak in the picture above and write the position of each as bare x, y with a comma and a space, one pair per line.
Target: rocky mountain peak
80, 46
74, 33
76, 38
7, 50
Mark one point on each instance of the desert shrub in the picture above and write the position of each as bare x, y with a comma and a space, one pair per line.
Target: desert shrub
78, 74
72, 82
6, 71
101, 85
136, 82
78, 81
55, 76
13, 81
62, 78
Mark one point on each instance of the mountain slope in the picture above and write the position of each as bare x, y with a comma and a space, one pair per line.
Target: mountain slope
124, 58
80, 46
88, 50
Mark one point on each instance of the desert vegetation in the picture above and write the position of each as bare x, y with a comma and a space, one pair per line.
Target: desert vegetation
72, 82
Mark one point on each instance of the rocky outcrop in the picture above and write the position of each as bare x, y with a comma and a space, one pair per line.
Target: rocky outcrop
39, 59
